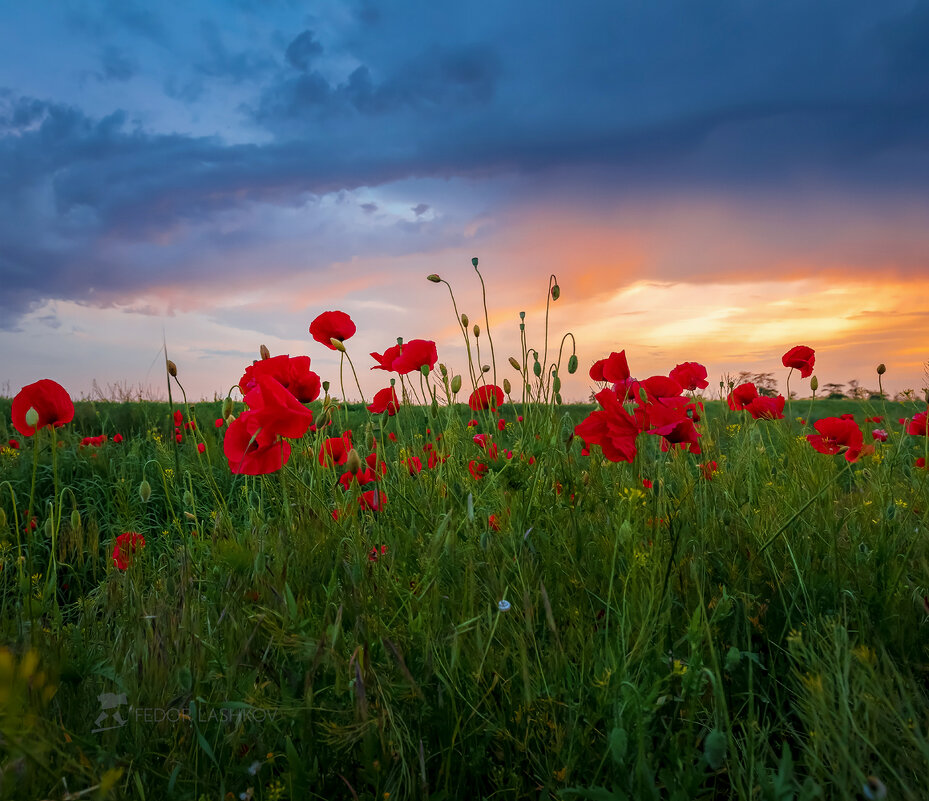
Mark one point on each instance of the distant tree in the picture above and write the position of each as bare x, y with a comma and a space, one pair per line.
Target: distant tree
856, 391
766, 383
833, 390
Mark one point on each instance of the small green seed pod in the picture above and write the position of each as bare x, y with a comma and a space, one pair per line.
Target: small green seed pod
477, 330
464, 320
326, 387
474, 261
456, 383
337, 344
556, 292
507, 386
485, 368
188, 498
172, 369
75, 519
227, 408
572, 364
443, 370
353, 462
515, 364
537, 368
814, 383
424, 370
558, 398
881, 368
49, 528
434, 408
556, 384
370, 442
434, 278
145, 491
265, 353
32, 417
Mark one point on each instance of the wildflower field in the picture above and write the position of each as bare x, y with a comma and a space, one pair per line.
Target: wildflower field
463, 588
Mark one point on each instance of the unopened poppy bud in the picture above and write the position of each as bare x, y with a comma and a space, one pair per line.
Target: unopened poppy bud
75, 519
353, 462
514, 364
537, 368
643, 395
464, 320
145, 491
558, 398
370, 441
265, 353
556, 384
49, 528
434, 278
522, 315
2, 519
507, 386
325, 386
477, 330
572, 364
474, 261
337, 344
32, 417
881, 368
227, 408
443, 370
522, 326
814, 383
456, 383
424, 369
556, 292
172, 369
485, 368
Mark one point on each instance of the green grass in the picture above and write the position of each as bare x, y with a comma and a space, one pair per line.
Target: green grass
653, 648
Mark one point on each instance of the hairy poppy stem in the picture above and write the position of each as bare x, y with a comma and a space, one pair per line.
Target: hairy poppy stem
177, 458
464, 333
548, 300
493, 360
357, 382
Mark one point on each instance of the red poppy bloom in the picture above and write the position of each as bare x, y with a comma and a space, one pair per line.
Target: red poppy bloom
332, 325
708, 470
647, 483
14, 444
414, 464
334, 450
49, 399
921, 462
764, 408
918, 425
837, 435
386, 359
374, 554
251, 449
415, 354
501, 424
614, 369
293, 373
373, 500
690, 375
741, 396
201, 447
125, 547
178, 438
493, 522
477, 469
879, 434
178, 418
660, 386
385, 400
219, 422
611, 427
279, 412
800, 358
117, 438
847, 416
391, 436
488, 396
362, 477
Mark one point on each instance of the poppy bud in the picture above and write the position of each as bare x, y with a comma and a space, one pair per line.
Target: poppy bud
456, 383
32, 417
326, 387
400, 341
474, 261
172, 369
485, 368
2, 519
522, 315
572, 364
514, 364
337, 344
537, 368
814, 383
507, 386
265, 353
556, 384
558, 398
145, 491
556, 292
424, 369
434, 278
353, 462
477, 330
464, 320
227, 408
370, 442
49, 528
188, 498
75, 519
881, 369
522, 326
443, 370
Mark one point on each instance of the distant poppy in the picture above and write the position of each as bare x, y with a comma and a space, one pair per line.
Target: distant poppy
415, 465
117, 438
690, 375
334, 450
373, 500
921, 462
918, 425
493, 522
501, 424
708, 470
764, 408
800, 358
477, 469
50, 400
374, 554
741, 396
487, 396
879, 434
178, 417
332, 325
125, 547
385, 400
647, 483
14, 444
201, 447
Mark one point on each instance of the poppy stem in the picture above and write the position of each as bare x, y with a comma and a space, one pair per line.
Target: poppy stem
464, 332
493, 360
357, 383
548, 300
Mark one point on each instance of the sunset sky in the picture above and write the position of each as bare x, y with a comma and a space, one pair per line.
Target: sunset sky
709, 181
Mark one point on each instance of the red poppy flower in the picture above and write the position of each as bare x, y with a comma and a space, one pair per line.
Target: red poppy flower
125, 547
837, 435
49, 399
611, 427
219, 422
201, 447
764, 408
708, 470
293, 373
362, 477
647, 483
373, 500
117, 438
178, 438
14, 444
386, 359
251, 449
374, 554
918, 425
334, 450
800, 358
488, 396
879, 434
477, 469
385, 400
279, 412
415, 354
660, 386
613, 369
501, 424
847, 416
391, 436
493, 522
921, 462
690, 375
741, 396
178, 418
332, 325
414, 464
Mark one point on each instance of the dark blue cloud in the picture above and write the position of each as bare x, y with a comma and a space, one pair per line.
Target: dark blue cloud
303, 50
116, 65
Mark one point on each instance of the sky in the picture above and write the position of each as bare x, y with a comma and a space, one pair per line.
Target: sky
712, 182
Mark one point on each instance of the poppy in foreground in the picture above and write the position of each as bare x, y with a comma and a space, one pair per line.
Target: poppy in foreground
837, 435
800, 358
125, 547
51, 402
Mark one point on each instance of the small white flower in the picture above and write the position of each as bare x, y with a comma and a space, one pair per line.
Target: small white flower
503, 606
254, 767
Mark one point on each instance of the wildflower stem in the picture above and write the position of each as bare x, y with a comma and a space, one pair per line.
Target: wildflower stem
464, 333
357, 383
493, 360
